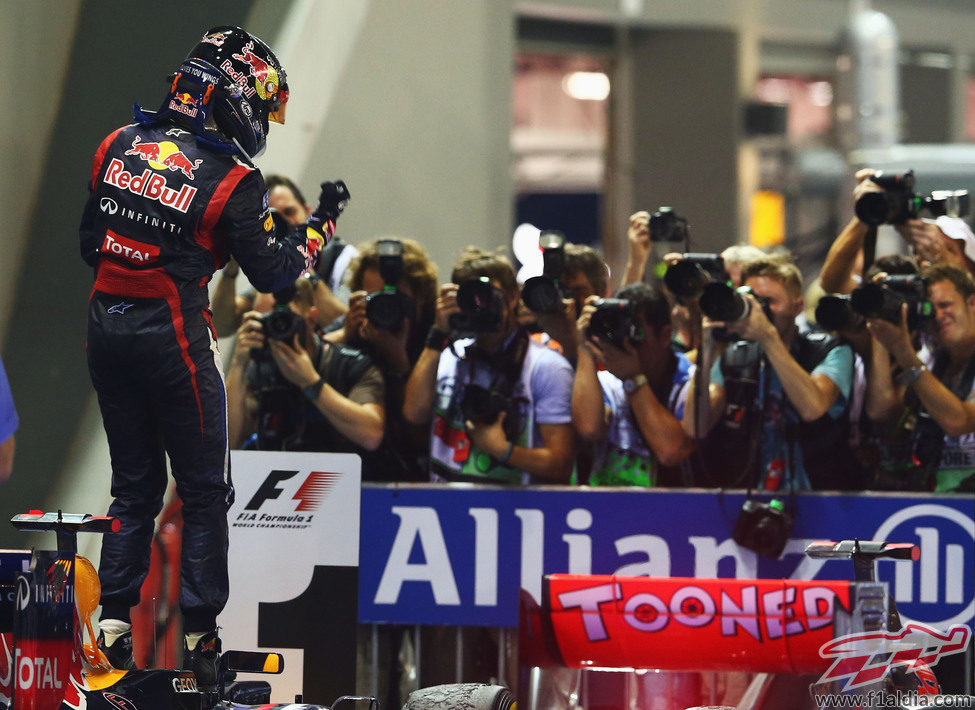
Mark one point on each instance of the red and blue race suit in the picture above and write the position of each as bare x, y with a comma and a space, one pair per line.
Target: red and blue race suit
164, 213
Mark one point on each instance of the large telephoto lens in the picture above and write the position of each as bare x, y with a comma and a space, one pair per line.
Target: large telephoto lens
720, 302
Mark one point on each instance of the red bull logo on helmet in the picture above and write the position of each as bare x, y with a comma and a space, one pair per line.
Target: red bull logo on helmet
165, 155
184, 103
266, 80
239, 78
217, 38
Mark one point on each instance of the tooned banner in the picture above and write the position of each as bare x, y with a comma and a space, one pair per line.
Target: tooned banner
458, 554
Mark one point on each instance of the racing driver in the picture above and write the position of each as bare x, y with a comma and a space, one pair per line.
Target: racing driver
172, 196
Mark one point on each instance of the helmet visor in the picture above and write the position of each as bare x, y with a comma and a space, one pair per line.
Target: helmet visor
277, 111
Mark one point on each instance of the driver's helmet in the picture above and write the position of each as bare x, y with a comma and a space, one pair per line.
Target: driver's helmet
230, 80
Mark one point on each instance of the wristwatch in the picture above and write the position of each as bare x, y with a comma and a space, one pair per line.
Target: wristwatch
630, 384
911, 375
314, 389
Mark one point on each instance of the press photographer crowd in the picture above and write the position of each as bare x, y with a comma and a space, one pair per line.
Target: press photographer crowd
720, 374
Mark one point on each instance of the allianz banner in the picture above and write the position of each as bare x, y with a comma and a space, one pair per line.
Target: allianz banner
458, 555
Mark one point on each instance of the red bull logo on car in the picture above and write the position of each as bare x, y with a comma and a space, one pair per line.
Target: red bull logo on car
165, 155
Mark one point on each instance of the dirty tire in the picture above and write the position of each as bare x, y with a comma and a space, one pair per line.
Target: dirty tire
461, 696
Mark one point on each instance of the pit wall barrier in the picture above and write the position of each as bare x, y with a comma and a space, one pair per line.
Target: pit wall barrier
446, 563
457, 555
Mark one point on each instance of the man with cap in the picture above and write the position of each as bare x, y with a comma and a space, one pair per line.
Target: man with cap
945, 240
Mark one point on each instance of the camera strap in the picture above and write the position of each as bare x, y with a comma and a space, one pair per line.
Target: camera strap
755, 435
504, 365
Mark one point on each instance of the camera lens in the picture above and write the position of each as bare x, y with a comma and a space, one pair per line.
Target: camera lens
281, 324
541, 294
720, 302
834, 312
612, 321
874, 208
686, 279
482, 307
386, 310
874, 300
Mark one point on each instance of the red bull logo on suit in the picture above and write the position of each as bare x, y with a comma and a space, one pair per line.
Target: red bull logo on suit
165, 155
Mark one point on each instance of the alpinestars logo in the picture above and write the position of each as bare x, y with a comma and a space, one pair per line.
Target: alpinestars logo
866, 658
294, 511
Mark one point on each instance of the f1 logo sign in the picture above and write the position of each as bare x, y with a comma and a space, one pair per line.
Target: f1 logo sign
309, 494
269, 489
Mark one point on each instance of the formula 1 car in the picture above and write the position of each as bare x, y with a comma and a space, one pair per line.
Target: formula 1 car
49, 659
811, 643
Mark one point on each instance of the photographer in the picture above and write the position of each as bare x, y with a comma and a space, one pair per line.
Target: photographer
944, 239
402, 307
942, 397
582, 274
499, 402
296, 392
228, 306
632, 409
789, 389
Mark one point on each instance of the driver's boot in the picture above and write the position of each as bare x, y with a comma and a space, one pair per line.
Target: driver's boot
119, 651
201, 654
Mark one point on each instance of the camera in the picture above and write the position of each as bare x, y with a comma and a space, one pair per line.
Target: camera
883, 299
835, 312
613, 322
543, 294
482, 406
389, 308
898, 202
721, 302
482, 308
686, 279
763, 527
667, 226
282, 323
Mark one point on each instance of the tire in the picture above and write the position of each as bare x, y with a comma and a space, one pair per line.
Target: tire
461, 696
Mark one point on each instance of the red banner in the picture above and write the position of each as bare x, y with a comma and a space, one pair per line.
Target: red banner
775, 626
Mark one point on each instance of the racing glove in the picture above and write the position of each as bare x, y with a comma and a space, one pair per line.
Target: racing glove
321, 224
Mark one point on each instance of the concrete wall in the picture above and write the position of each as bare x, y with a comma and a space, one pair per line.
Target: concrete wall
410, 104
34, 51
